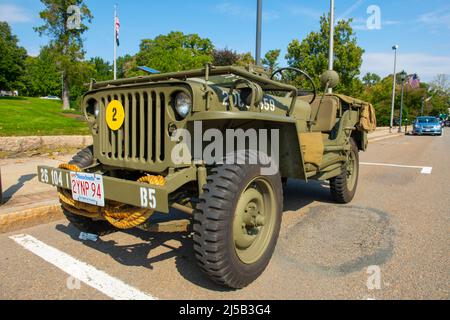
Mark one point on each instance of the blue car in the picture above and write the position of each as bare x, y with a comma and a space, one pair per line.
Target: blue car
427, 126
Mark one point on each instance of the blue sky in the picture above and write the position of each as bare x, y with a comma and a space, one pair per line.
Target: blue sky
421, 28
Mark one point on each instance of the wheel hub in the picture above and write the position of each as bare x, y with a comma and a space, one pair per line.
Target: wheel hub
253, 221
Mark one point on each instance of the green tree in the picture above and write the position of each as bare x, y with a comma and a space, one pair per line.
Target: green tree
175, 52
64, 25
245, 59
103, 69
371, 79
41, 76
12, 58
440, 94
127, 67
85, 72
271, 58
311, 55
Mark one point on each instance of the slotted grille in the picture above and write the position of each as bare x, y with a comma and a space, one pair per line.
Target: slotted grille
141, 137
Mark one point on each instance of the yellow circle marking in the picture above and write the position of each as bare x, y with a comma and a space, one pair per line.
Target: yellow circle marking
115, 115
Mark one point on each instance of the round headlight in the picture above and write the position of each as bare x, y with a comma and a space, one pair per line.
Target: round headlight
96, 109
93, 108
183, 104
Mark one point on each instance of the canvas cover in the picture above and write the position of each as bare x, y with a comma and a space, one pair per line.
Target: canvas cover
368, 119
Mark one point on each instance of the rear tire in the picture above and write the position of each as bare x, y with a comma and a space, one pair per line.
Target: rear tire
84, 159
237, 223
343, 187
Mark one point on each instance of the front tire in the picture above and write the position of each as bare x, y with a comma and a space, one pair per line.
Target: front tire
343, 187
237, 223
84, 159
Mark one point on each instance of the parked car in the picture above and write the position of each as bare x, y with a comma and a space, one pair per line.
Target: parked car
427, 126
6, 93
447, 123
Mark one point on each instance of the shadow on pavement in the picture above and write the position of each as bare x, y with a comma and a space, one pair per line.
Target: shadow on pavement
9, 193
138, 254
297, 195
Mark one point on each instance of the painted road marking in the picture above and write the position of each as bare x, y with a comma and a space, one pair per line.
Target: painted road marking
110, 286
424, 170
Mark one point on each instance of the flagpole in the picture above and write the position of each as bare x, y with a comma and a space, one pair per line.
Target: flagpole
115, 43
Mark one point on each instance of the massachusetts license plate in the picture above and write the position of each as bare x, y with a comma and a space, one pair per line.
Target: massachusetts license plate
87, 188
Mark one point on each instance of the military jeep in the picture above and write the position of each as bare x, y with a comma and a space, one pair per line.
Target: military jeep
140, 164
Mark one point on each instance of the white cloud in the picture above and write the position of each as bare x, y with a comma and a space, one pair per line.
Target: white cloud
13, 14
436, 19
425, 65
305, 12
242, 12
350, 10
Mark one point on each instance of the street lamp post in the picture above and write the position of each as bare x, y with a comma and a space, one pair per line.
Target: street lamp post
395, 48
331, 49
422, 110
403, 76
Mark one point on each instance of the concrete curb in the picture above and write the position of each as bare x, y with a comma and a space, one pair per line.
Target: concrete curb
15, 221
390, 136
26, 144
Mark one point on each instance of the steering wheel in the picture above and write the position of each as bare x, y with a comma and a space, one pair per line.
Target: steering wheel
301, 72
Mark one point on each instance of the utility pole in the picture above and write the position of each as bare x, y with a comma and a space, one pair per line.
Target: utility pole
403, 79
258, 32
395, 48
331, 49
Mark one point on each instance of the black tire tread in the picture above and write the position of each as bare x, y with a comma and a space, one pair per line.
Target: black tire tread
338, 185
211, 219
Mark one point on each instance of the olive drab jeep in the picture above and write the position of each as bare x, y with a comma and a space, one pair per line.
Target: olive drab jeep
152, 137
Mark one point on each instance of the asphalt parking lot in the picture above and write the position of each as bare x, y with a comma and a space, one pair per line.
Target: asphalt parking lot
390, 243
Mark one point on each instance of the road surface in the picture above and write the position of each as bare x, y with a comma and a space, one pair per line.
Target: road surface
392, 242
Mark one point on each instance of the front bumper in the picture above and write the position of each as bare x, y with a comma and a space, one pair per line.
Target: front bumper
427, 132
125, 191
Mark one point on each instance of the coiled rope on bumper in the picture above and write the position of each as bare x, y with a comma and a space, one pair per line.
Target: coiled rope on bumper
121, 216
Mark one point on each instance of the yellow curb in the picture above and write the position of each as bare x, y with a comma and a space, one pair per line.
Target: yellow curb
15, 221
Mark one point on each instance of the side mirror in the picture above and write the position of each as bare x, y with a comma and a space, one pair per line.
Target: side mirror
329, 79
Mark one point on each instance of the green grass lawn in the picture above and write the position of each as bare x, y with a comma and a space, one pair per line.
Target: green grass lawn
37, 117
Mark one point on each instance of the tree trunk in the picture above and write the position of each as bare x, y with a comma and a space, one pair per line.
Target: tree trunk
65, 93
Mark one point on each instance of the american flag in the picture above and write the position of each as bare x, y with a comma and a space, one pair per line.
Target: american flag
414, 81
117, 28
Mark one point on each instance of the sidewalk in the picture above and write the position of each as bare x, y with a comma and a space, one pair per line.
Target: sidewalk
383, 133
25, 199
28, 202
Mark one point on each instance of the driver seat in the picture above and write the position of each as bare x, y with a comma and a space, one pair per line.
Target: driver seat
327, 113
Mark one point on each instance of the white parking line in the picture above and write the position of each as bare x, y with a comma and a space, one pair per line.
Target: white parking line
110, 286
424, 170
